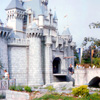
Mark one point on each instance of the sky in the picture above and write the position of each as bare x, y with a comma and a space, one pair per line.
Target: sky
80, 13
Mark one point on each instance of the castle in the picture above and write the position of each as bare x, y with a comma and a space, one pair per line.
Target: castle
30, 47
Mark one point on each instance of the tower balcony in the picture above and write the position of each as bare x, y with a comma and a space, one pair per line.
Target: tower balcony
18, 42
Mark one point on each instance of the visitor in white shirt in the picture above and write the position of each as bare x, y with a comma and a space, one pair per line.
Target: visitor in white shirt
6, 74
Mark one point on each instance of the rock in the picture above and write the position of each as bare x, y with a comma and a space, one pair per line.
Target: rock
60, 85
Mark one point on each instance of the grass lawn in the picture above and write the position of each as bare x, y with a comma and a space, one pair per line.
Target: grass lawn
59, 97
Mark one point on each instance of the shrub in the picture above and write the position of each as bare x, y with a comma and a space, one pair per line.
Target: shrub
2, 97
63, 88
50, 88
12, 87
19, 88
54, 97
55, 93
80, 91
27, 89
36, 87
96, 61
94, 94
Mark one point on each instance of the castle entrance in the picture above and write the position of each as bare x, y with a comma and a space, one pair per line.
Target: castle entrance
57, 65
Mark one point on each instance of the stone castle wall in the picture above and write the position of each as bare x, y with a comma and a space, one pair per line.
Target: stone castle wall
35, 62
3, 53
18, 64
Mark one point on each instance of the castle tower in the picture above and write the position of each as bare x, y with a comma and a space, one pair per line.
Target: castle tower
15, 15
35, 59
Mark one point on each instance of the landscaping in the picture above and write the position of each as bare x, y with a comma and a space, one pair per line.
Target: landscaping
61, 97
76, 93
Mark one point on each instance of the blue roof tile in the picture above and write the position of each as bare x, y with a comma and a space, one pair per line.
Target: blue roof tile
15, 4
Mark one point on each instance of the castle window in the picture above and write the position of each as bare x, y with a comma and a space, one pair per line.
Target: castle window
4, 34
25, 19
29, 18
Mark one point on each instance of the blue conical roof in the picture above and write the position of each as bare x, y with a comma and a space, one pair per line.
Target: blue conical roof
15, 4
55, 16
36, 6
66, 31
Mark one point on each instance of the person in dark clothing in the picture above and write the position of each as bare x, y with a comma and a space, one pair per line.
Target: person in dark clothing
71, 72
54, 69
70, 69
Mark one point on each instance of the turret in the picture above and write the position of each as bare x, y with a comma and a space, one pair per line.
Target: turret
15, 15
34, 35
41, 19
55, 17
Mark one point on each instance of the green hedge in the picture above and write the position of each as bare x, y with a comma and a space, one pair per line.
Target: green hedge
81, 91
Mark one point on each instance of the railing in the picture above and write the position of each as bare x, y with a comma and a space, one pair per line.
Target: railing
4, 84
18, 42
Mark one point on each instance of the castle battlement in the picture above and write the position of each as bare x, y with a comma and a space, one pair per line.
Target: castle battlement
18, 42
5, 32
73, 44
34, 33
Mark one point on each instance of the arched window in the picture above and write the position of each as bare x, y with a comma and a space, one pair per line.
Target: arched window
57, 65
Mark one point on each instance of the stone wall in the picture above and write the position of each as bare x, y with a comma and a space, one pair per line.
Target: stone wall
18, 64
3, 53
35, 62
14, 95
84, 76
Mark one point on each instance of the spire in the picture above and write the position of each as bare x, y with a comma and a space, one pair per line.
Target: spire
66, 31
15, 4
55, 16
1, 23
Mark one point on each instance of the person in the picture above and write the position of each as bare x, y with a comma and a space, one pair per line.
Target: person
93, 66
6, 74
77, 67
70, 69
55, 69
89, 66
71, 72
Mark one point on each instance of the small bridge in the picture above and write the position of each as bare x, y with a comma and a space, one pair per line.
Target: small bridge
87, 76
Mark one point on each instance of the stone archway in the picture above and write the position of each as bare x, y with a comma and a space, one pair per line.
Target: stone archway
57, 65
95, 82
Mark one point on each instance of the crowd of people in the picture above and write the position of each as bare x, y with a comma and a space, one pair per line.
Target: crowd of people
79, 66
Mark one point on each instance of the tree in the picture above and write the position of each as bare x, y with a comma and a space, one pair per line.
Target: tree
76, 56
91, 54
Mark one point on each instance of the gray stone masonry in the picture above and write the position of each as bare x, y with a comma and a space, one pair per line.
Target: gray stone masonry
4, 53
17, 57
35, 68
